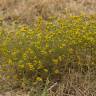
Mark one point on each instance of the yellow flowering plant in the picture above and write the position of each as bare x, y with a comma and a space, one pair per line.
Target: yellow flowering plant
48, 47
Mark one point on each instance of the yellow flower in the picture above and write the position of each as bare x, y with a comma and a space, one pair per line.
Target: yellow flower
31, 67
24, 56
21, 66
44, 52
38, 79
56, 71
46, 70
62, 46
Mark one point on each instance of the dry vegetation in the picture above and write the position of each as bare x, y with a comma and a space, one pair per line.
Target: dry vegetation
28, 10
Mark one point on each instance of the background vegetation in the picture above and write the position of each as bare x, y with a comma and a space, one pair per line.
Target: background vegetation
29, 10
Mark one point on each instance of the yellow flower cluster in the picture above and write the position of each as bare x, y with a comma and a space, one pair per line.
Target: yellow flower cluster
43, 50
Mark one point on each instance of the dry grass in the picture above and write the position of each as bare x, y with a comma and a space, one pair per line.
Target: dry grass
28, 10
74, 84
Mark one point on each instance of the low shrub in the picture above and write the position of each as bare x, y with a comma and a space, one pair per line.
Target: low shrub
48, 49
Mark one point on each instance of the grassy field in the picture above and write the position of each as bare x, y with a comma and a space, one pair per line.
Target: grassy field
28, 10
47, 48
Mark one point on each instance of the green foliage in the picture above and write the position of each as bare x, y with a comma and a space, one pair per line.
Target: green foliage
48, 48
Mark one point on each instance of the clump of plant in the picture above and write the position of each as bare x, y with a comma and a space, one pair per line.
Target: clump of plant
31, 54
